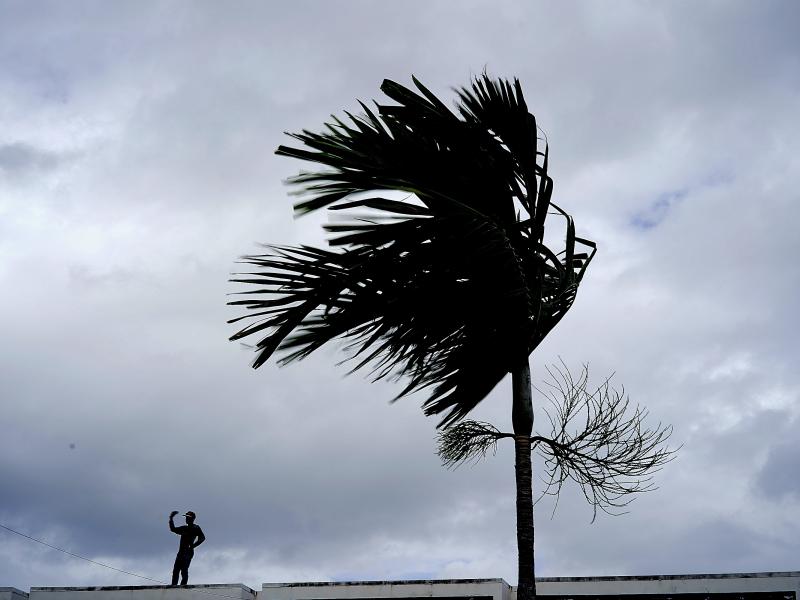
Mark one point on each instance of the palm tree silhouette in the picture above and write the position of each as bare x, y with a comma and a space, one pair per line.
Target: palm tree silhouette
449, 284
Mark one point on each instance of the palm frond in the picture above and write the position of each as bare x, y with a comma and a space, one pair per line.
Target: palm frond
443, 288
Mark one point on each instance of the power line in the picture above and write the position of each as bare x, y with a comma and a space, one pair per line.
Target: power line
94, 562
77, 555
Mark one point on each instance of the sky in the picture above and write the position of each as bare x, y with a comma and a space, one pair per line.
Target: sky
137, 163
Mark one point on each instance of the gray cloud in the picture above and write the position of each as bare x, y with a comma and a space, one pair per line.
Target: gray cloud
20, 158
777, 479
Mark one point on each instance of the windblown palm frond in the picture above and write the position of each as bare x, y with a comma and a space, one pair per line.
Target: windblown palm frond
446, 287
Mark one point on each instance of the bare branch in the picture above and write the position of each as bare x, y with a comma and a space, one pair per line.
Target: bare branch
467, 441
599, 441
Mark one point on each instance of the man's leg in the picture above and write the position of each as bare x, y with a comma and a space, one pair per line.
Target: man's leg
187, 559
175, 569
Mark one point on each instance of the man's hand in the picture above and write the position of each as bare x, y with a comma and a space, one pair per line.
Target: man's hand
172, 514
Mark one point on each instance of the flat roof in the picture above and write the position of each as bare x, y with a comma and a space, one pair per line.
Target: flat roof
386, 582
674, 577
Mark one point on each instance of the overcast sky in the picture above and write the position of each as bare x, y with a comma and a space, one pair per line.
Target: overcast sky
136, 164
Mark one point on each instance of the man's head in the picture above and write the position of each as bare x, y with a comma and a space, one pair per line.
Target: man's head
190, 517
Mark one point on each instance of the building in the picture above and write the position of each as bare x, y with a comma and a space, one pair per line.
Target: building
728, 586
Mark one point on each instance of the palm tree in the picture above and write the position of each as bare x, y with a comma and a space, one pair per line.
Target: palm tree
449, 284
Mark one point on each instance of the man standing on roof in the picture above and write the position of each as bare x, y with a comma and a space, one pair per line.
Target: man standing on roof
191, 537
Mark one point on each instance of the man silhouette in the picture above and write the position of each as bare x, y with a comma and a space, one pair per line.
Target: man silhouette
191, 537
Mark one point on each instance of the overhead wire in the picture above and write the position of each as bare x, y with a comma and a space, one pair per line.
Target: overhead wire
94, 562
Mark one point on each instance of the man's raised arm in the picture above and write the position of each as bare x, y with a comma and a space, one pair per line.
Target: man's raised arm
171, 524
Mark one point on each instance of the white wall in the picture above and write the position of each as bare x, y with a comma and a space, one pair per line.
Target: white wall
153, 592
671, 584
497, 589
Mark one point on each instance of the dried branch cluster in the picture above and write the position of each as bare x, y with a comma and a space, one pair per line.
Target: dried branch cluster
467, 441
595, 440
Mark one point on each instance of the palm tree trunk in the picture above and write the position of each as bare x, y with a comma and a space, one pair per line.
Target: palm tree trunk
522, 419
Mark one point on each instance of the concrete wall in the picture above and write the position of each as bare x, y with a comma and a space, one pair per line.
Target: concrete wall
670, 584
235, 591
564, 587
493, 589
780, 586
10, 593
